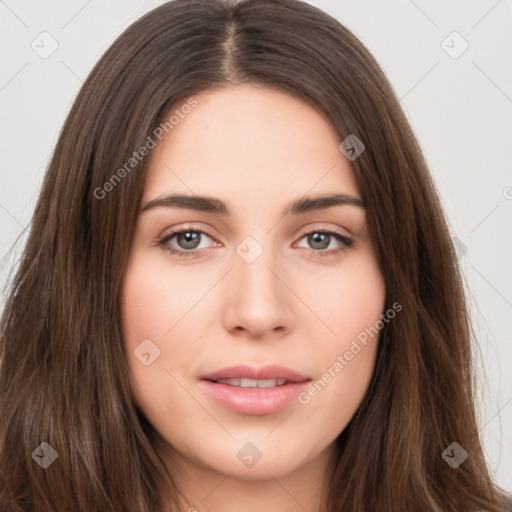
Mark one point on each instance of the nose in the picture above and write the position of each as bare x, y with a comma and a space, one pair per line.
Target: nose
258, 302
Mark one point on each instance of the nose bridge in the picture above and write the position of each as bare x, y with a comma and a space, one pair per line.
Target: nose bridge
252, 270
258, 300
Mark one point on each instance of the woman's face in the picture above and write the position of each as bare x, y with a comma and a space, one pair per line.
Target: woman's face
271, 304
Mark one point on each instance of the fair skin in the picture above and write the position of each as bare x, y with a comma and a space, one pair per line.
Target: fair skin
256, 149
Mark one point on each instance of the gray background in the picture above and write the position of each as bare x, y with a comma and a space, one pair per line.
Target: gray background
458, 105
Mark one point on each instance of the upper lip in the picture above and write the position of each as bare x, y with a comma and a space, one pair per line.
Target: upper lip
263, 373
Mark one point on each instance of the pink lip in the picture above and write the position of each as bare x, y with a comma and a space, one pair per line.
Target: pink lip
255, 401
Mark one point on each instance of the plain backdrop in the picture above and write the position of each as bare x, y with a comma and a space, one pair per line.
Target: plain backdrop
450, 64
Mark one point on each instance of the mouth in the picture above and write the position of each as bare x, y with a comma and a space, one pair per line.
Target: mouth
252, 383
254, 391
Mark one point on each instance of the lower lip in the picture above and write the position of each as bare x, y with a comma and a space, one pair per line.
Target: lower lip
255, 401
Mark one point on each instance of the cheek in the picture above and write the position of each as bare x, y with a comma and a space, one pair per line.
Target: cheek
350, 300
147, 306
351, 306
158, 305
144, 299
157, 297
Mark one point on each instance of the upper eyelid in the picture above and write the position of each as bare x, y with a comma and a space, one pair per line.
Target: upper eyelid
177, 231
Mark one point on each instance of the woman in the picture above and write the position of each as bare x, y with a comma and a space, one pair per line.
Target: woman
239, 289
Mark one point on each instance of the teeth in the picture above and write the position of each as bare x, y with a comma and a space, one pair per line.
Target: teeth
248, 383
252, 383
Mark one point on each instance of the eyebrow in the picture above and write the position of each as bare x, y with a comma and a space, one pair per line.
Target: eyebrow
216, 206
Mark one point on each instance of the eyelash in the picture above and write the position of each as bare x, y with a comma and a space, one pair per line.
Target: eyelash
163, 242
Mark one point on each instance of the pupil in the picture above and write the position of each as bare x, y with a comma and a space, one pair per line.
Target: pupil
321, 239
191, 240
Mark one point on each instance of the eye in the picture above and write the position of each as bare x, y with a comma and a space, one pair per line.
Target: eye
188, 242
320, 242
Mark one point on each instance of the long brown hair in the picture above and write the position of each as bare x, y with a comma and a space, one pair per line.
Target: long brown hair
63, 375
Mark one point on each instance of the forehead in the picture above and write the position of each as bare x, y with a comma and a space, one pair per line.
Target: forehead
249, 144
